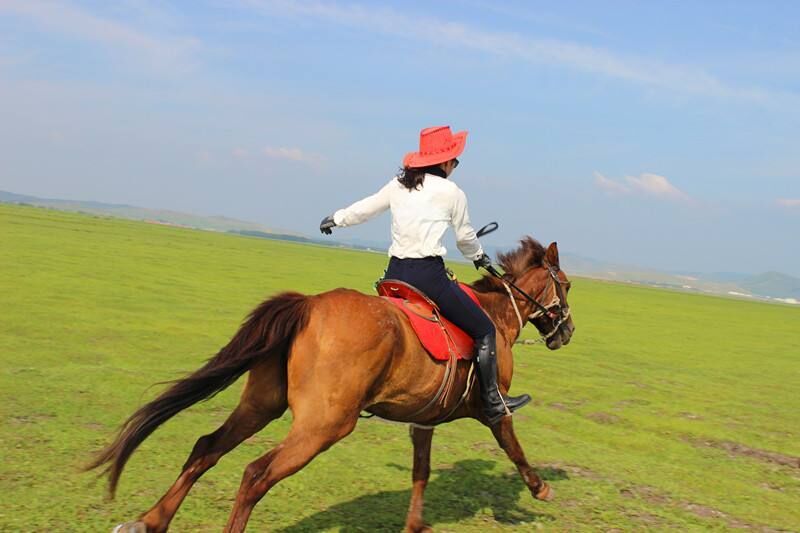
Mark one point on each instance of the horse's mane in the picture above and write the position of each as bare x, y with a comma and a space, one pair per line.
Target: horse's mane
529, 254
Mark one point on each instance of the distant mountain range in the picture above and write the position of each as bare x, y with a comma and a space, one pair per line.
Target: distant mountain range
767, 286
772, 286
163, 216
170, 218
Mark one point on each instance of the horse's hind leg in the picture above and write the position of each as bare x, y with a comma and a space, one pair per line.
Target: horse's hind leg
309, 436
263, 400
326, 393
504, 433
421, 438
207, 451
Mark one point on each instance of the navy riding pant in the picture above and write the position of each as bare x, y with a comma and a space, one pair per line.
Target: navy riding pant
428, 275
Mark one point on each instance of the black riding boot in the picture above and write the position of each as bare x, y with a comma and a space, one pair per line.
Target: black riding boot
495, 405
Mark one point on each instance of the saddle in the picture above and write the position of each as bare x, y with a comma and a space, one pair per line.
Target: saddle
441, 338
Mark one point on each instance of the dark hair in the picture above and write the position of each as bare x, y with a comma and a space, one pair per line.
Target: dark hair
412, 178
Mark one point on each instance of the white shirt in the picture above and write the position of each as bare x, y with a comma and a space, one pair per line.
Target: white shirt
420, 217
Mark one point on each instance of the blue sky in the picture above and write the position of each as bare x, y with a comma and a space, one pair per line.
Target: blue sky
661, 134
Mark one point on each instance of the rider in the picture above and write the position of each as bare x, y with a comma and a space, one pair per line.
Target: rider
424, 203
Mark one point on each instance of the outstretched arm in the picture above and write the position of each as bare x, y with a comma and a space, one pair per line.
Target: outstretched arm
466, 239
365, 209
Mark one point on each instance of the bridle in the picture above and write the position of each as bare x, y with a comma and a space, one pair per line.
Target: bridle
540, 310
559, 302
554, 310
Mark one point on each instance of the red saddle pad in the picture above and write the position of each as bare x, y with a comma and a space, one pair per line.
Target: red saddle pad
439, 336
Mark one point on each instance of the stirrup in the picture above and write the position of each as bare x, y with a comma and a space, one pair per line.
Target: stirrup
510, 405
515, 402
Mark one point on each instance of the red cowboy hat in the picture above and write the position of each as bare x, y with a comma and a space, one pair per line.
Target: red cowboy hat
436, 145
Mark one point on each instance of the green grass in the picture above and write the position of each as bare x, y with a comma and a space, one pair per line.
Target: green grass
658, 415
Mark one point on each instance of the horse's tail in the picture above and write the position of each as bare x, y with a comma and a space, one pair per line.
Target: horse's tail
268, 331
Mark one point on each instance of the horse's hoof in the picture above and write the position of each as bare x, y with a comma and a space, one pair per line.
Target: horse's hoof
130, 527
545, 494
418, 528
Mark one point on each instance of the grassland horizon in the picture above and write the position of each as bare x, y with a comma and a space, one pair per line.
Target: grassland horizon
667, 411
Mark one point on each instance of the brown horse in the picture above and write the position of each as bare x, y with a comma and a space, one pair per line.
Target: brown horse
297, 350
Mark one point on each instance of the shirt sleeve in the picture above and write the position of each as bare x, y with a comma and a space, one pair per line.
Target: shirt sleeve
466, 240
365, 209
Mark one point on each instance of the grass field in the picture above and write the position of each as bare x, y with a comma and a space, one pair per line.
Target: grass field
667, 411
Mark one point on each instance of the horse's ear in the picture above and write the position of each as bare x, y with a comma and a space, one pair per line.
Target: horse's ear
552, 254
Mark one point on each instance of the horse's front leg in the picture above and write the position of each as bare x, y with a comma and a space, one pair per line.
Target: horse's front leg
504, 433
421, 437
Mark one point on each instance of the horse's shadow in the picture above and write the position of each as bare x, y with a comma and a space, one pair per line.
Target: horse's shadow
453, 494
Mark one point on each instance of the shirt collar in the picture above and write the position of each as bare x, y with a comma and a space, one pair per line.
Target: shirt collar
436, 171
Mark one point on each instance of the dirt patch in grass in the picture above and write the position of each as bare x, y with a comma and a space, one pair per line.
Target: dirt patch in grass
490, 448
572, 470
648, 494
704, 511
646, 519
31, 418
631, 401
770, 486
742, 450
653, 496
566, 405
603, 418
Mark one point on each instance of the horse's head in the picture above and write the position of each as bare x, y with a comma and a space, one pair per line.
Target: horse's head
549, 286
537, 271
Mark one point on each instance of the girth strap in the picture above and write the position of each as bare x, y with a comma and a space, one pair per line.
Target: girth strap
448, 382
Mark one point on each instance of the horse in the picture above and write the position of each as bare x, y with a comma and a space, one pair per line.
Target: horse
294, 347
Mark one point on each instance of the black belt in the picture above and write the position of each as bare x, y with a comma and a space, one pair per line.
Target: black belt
425, 259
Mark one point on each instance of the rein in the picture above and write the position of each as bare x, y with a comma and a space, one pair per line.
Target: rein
493, 271
514, 305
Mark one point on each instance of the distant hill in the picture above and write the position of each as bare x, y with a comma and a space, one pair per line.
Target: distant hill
774, 285
769, 285
300, 238
176, 218
161, 216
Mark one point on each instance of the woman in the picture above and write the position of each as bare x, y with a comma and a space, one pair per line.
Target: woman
423, 204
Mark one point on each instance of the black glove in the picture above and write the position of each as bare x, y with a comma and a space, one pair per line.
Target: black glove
484, 261
326, 225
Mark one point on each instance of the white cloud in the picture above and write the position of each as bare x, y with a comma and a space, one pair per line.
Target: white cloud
367, 17
609, 185
62, 17
291, 154
655, 185
789, 202
647, 184
239, 153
